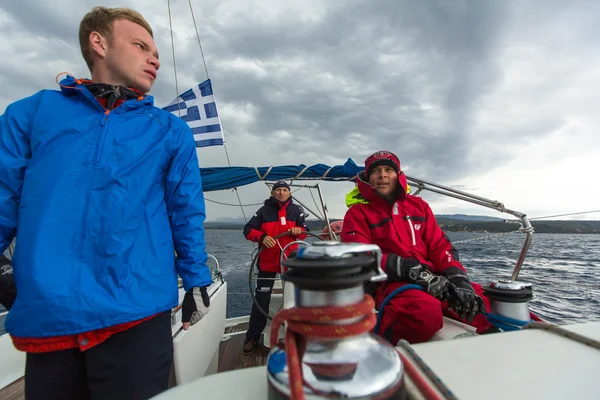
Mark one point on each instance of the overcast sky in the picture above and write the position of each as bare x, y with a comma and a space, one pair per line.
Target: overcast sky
500, 98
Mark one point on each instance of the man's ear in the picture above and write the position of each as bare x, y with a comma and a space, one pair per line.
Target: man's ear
98, 44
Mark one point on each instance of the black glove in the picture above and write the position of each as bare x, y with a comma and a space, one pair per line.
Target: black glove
435, 285
462, 297
8, 290
400, 269
195, 304
465, 302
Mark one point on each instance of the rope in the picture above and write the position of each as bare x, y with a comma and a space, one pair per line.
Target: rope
566, 215
207, 76
299, 175
198, 37
499, 321
231, 204
426, 390
174, 63
262, 178
235, 188
507, 324
11, 249
389, 297
305, 323
564, 333
316, 205
416, 377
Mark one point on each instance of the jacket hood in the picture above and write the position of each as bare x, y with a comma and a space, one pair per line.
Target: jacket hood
370, 195
354, 197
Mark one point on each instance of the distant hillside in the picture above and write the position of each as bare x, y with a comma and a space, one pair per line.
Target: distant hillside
538, 226
472, 223
313, 224
465, 217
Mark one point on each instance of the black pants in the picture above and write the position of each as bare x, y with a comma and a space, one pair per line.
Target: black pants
134, 364
263, 296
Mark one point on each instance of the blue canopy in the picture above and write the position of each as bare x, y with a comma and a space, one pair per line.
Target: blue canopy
221, 178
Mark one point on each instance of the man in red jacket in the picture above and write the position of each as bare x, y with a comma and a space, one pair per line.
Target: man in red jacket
278, 215
415, 250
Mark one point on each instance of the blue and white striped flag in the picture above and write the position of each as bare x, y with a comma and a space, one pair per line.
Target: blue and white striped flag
197, 107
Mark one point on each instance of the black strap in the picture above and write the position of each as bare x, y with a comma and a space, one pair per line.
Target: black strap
111, 93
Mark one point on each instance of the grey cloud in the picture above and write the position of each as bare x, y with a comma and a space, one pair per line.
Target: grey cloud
452, 47
362, 76
45, 19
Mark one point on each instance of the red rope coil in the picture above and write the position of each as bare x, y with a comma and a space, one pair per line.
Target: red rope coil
316, 322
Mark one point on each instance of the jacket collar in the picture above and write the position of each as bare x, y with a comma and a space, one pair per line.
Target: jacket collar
71, 86
273, 202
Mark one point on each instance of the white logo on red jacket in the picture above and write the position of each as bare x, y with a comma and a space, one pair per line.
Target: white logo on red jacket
282, 219
417, 227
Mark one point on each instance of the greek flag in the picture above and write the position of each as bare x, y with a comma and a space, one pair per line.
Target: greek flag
197, 107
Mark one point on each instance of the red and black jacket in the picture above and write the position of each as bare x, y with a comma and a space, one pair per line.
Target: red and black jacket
405, 227
272, 219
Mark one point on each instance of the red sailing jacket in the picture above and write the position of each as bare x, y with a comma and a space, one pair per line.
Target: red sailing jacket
406, 228
272, 219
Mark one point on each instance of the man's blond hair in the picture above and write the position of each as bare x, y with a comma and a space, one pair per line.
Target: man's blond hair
101, 20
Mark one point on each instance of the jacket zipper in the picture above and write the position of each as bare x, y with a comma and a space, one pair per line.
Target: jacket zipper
101, 138
412, 230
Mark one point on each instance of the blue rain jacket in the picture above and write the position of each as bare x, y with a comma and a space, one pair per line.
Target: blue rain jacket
98, 202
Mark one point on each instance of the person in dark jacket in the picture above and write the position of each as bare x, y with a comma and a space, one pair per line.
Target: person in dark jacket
279, 214
415, 250
103, 189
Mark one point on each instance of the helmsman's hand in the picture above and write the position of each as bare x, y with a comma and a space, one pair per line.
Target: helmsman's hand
296, 230
268, 242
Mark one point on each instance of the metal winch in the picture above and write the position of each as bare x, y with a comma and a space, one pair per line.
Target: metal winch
510, 298
362, 366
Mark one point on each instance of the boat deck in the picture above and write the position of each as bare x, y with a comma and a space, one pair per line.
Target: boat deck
231, 356
14, 391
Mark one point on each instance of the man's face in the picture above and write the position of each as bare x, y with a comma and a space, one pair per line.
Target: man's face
385, 180
281, 194
132, 57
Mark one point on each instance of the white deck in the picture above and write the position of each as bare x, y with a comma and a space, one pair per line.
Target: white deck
12, 365
527, 364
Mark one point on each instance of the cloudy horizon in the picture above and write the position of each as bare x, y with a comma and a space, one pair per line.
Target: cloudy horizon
497, 98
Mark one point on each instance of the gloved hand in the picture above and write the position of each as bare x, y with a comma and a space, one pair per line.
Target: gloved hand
435, 285
400, 269
195, 306
465, 302
8, 290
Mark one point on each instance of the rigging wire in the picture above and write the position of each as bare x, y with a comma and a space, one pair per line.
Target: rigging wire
233, 205
566, 215
315, 201
207, 76
174, 63
198, 37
